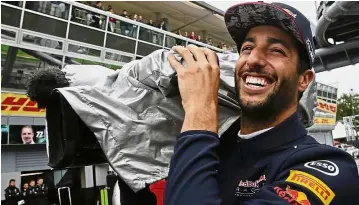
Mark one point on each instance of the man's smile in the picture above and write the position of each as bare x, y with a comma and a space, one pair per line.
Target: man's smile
253, 83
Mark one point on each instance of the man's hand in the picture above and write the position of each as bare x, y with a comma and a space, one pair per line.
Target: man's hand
198, 85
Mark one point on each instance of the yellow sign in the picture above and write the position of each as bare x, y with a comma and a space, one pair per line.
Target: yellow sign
319, 188
14, 104
324, 121
326, 106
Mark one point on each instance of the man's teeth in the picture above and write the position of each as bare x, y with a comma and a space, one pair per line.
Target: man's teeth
256, 81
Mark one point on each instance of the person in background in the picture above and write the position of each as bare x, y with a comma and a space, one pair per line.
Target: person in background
220, 45
199, 39
149, 32
210, 42
150, 23
142, 34
41, 190
124, 25
25, 192
192, 36
32, 193
206, 41
98, 5
124, 13
162, 25
95, 16
134, 17
89, 14
133, 28
27, 135
140, 18
179, 41
12, 193
112, 21
185, 34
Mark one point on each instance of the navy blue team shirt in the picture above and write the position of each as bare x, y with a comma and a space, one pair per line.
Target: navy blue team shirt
281, 166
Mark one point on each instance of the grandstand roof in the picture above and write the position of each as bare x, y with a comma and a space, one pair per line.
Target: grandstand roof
180, 13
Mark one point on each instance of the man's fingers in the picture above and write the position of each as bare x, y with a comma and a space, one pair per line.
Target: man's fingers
212, 58
197, 53
186, 55
195, 57
174, 63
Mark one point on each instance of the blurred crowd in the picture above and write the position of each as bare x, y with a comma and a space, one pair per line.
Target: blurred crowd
80, 15
130, 30
206, 40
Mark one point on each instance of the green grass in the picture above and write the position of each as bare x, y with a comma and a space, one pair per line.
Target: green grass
22, 56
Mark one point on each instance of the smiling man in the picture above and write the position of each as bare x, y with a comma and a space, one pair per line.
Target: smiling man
267, 157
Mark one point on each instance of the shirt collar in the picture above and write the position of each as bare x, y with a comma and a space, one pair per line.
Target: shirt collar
254, 134
289, 130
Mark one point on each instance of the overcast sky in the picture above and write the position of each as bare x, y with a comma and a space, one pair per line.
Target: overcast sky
345, 78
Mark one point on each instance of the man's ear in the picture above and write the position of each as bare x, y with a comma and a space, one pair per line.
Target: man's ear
304, 80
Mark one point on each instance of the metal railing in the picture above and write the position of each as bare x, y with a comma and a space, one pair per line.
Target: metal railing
79, 31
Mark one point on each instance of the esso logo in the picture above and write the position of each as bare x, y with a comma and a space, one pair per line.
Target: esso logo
323, 166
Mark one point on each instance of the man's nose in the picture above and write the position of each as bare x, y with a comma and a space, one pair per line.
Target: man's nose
256, 59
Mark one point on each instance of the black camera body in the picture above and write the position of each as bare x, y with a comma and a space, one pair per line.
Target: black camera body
71, 142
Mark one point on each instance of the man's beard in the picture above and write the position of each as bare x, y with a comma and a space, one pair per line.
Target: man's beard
278, 100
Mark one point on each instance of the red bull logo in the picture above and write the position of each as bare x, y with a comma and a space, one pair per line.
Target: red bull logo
292, 196
298, 196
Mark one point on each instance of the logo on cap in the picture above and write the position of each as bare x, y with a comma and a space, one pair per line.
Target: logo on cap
290, 13
310, 49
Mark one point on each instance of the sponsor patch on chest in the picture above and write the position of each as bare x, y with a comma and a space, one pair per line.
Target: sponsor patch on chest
324, 166
246, 188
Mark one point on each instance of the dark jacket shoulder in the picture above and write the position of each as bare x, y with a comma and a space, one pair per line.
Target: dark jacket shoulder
318, 166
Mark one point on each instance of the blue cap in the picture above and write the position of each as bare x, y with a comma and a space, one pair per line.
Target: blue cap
242, 17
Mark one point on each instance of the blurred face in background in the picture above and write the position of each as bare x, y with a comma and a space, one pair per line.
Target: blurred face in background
12, 183
26, 186
40, 181
27, 135
32, 184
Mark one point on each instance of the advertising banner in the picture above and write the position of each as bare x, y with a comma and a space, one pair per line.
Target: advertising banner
22, 134
325, 113
326, 106
14, 104
324, 121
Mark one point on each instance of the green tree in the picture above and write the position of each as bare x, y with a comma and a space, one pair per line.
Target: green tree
348, 105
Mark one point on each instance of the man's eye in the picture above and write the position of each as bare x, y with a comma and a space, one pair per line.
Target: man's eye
276, 50
246, 48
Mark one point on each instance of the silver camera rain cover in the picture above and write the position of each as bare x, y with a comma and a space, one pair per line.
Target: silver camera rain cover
136, 112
